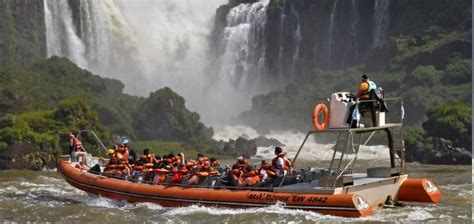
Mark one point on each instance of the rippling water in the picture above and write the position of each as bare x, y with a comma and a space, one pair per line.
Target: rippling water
45, 196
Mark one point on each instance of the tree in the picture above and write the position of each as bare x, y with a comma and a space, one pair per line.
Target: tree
452, 122
163, 116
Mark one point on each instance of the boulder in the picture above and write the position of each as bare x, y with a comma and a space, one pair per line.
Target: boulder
438, 151
262, 141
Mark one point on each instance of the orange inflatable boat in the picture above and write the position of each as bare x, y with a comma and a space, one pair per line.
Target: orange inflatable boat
348, 205
342, 189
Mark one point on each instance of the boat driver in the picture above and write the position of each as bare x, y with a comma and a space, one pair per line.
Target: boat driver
366, 92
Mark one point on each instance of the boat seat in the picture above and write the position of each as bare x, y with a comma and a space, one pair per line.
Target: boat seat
382, 172
344, 180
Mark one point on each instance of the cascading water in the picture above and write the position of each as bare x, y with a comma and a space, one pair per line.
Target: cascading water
99, 41
147, 45
243, 46
150, 44
331, 29
173, 47
382, 20
355, 26
61, 37
297, 43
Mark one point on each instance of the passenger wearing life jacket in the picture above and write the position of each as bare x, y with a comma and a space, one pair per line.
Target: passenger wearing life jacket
180, 172
250, 178
282, 165
122, 157
241, 162
147, 157
78, 150
204, 171
266, 171
235, 176
71, 137
216, 165
138, 168
366, 92
123, 149
114, 167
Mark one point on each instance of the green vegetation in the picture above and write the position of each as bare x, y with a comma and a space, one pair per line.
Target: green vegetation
8, 38
446, 138
54, 96
40, 127
407, 47
16, 48
425, 69
450, 121
42, 85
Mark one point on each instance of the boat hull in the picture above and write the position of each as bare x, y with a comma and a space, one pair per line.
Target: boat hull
347, 205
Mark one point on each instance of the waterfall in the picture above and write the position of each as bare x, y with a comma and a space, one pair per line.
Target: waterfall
150, 44
94, 32
98, 42
382, 20
61, 37
297, 43
355, 27
243, 46
331, 29
240, 65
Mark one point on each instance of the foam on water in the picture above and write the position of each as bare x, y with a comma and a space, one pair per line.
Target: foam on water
418, 215
103, 202
292, 140
273, 209
98, 201
464, 191
232, 132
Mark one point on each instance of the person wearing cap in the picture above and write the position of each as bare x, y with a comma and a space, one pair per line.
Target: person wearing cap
367, 92
366, 86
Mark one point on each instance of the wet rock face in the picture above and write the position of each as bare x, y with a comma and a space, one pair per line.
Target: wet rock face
262, 141
247, 147
438, 151
241, 146
27, 156
24, 29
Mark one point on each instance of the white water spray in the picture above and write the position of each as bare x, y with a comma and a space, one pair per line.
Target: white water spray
61, 36
313, 151
150, 44
382, 20
242, 62
331, 29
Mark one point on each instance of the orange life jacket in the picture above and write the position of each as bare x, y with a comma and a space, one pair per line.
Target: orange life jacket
149, 158
287, 165
241, 165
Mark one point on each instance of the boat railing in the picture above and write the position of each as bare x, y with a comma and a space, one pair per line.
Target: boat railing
184, 185
352, 146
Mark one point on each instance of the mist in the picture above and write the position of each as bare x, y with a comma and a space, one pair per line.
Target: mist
150, 44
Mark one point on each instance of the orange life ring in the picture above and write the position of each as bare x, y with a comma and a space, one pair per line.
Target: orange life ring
321, 126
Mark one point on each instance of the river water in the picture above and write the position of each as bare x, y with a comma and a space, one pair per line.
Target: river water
43, 196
